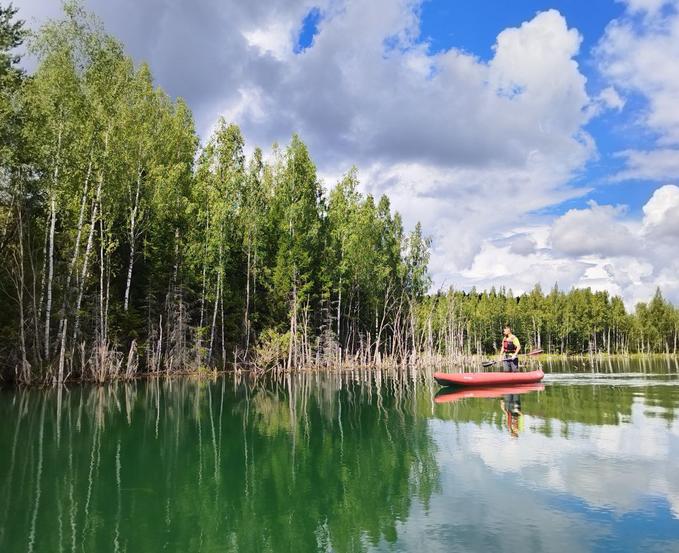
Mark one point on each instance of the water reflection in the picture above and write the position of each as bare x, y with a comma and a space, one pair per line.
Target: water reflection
511, 407
510, 400
603, 458
353, 461
225, 465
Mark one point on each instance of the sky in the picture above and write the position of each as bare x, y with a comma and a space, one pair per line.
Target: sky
536, 141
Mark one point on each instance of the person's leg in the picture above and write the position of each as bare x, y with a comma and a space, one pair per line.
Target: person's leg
507, 365
514, 403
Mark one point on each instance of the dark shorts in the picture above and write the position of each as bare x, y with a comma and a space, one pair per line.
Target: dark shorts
513, 403
510, 365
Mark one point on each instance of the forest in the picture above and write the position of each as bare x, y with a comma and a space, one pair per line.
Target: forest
128, 246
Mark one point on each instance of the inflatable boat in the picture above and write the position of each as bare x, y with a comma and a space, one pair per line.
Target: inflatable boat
488, 378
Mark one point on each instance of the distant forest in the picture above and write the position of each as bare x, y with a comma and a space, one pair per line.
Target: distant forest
127, 246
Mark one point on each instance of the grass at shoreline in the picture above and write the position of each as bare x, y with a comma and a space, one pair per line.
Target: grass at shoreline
602, 356
424, 364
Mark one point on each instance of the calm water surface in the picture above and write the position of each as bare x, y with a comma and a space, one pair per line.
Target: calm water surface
345, 462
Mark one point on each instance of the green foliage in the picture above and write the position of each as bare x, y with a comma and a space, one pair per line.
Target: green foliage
272, 349
130, 247
12, 36
580, 321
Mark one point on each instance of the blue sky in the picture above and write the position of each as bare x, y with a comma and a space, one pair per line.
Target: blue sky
473, 27
536, 141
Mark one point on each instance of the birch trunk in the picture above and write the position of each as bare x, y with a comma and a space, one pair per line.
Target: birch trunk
221, 311
20, 293
339, 311
43, 279
50, 273
102, 322
53, 218
133, 221
83, 273
74, 259
203, 289
246, 322
214, 322
90, 239
293, 326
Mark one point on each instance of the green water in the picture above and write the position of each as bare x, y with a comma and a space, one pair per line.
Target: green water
344, 462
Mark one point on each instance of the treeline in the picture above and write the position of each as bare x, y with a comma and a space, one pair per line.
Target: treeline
575, 322
127, 247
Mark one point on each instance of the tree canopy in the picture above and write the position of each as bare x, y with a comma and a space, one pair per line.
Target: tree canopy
128, 246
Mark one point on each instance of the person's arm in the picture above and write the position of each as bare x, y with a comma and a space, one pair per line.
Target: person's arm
518, 347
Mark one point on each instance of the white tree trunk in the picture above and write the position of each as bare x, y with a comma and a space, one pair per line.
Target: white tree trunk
86, 258
247, 297
53, 218
133, 221
25, 368
50, 276
74, 259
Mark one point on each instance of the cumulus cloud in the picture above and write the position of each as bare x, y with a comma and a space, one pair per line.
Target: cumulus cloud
469, 147
639, 54
601, 247
661, 213
643, 57
593, 231
489, 141
522, 245
209, 52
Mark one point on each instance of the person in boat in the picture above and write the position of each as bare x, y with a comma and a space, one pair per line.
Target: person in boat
510, 350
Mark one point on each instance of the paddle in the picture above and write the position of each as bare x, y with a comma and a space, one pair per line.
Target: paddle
491, 363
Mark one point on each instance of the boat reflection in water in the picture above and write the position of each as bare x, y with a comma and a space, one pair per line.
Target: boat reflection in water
448, 395
510, 400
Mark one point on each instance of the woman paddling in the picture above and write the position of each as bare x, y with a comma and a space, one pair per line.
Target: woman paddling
510, 349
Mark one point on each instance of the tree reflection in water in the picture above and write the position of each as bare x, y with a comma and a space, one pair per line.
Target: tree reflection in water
346, 461
229, 464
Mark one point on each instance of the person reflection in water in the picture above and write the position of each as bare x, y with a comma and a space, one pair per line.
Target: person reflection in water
511, 407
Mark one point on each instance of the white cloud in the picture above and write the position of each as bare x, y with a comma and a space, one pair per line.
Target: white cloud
470, 148
649, 7
640, 55
601, 247
609, 98
661, 214
593, 231
654, 165
522, 245
276, 39
500, 266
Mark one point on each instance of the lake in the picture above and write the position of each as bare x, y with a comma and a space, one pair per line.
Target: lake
352, 461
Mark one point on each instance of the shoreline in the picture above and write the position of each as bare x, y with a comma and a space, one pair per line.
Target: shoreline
422, 365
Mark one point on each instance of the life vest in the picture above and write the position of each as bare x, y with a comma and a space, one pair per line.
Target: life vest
508, 345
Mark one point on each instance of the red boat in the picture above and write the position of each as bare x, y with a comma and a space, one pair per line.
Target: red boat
445, 396
488, 378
